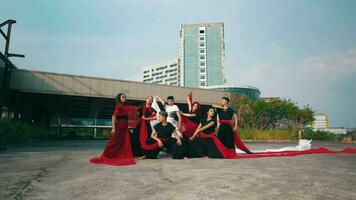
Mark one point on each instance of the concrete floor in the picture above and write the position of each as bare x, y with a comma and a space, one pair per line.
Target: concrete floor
60, 170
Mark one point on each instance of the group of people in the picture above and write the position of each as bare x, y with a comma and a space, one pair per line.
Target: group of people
190, 134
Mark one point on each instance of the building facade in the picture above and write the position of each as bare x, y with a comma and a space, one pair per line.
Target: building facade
321, 121
202, 55
247, 91
167, 73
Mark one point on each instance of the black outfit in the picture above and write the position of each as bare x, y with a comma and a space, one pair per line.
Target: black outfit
165, 134
203, 146
225, 133
135, 136
195, 119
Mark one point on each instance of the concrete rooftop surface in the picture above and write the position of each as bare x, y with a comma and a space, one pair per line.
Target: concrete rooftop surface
61, 170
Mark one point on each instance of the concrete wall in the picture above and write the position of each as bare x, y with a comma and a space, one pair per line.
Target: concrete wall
64, 84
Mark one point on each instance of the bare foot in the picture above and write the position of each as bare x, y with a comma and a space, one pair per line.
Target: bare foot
143, 157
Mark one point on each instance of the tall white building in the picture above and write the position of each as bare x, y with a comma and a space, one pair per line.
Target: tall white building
202, 54
163, 73
321, 121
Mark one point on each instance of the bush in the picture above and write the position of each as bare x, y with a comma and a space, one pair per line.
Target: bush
321, 135
15, 132
256, 134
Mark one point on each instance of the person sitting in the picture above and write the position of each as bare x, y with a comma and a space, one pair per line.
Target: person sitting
165, 134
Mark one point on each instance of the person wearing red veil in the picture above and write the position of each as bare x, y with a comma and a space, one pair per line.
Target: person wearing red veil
146, 113
118, 149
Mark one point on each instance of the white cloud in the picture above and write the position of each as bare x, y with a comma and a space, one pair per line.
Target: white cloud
313, 80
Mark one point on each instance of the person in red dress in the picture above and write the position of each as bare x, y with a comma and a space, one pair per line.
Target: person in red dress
118, 149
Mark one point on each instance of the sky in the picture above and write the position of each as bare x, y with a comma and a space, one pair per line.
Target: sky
301, 50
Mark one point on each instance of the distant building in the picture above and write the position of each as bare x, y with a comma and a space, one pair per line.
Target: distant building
321, 121
163, 73
202, 54
338, 131
270, 99
248, 91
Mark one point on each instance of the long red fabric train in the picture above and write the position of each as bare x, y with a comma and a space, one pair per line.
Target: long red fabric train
118, 149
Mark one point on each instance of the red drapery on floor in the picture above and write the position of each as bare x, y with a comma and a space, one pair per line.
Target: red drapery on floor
239, 144
118, 149
231, 153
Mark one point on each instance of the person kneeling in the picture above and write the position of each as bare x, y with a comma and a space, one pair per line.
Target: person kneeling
165, 134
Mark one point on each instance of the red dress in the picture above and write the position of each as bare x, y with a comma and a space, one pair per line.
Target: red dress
118, 149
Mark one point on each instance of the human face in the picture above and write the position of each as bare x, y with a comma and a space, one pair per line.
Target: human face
211, 112
123, 98
149, 100
223, 102
170, 102
195, 107
161, 118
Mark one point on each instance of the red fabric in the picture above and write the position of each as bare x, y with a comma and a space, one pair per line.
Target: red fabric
187, 127
143, 138
231, 153
144, 132
224, 151
239, 144
118, 149
132, 115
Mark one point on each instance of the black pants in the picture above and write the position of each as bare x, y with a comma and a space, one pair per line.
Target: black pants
201, 147
135, 139
225, 135
174, 149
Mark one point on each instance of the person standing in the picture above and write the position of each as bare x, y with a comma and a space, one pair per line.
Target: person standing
118, 149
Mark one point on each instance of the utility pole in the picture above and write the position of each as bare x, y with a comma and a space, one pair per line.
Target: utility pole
4, 87
7, 70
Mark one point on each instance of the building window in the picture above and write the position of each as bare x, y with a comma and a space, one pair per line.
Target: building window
202, 84
145, 72
202, 71
174, 65
146, 76
202, 77
201, 31
202, 64
202, 51
201, 38
202, 44
202, 57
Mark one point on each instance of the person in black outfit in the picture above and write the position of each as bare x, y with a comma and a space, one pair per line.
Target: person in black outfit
147, 113
194, 113
165, 134
200, 146
226, 114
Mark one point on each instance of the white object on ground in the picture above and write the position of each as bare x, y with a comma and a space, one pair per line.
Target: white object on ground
302, 145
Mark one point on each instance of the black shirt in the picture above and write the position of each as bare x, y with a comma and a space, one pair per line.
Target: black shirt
164, 131
225, 114
148, 113
195, 119
211, 129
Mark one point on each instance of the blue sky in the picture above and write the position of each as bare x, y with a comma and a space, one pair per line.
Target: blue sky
302, 50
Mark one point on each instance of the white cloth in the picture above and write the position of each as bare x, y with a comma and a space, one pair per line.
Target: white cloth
302, 145
158, 109
172, 113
